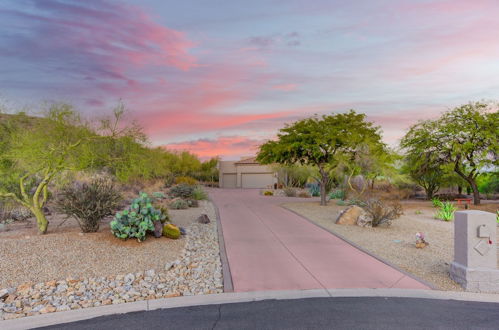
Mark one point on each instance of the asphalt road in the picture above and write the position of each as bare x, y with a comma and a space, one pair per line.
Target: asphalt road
312, 313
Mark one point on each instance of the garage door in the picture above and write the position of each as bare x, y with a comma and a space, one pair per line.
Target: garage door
229, 180
257, 180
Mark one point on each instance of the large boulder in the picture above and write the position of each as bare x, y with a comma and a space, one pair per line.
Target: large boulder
349, 216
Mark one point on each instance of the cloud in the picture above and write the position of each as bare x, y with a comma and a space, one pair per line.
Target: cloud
285, 87
231, 147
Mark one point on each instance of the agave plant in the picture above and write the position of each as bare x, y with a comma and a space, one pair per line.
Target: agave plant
436, 202
446, 211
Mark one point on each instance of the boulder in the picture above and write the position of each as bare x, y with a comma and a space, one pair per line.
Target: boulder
203, 218
158, 229
364, 220
349, 216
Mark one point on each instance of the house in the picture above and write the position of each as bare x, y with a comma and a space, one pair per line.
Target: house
246, 173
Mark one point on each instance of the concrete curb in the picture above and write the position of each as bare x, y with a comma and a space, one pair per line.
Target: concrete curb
227, 277
358, 247
237, 297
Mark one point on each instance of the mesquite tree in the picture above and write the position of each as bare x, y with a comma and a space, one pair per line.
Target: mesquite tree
39, 150
324, 142
463, 140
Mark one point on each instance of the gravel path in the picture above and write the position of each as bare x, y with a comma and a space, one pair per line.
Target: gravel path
396, 244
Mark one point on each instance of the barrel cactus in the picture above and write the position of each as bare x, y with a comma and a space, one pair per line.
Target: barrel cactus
171, 231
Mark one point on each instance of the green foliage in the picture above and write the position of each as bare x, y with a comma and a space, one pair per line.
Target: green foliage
289, 192
341, 202
356, 201
179, 204
337, 194
436, 202
418, 212
171, 231
315, 190
199, 193
294, 175
463, 140
208, 171
186, 180
182, 191
488, 183
158, 195
323, 142
446, 211
137, 219
89, 203
268, 193
193, 202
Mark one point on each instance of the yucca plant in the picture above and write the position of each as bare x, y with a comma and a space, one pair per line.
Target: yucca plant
446, 211
436, 202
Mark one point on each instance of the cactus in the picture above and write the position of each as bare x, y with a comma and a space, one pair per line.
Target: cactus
171, 231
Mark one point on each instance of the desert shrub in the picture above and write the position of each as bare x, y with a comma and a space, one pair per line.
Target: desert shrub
199, 194
315, 190
303, 194
164, 212
89, 202
171, 231
381, 212
193, 203
179, 204
158, 195
436, 202
337, 194
268, 193
341, 202
182, 191
10, 213
356, 201
186, 180
446, 211
289, 192
137, 219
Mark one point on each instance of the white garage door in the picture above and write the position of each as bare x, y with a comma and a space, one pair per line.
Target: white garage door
229, 180
256, 180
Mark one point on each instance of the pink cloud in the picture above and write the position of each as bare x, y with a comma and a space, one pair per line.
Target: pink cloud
285, 87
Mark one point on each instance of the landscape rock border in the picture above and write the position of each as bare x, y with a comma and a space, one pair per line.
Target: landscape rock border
197, 271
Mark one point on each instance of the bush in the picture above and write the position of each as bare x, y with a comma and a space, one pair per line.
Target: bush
289, 192
315, 190
10, 213
186, 180
179, 204
303, 194
137, 219
337, 194
158, 195
182, 191
199, 194
341, 202
193, 203
88, 203
268, 193
382, 213
171, 231
446, 211
356, 201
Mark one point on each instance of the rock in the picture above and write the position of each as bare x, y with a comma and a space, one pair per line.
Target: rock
158, 229
11, 316
150, 273
129, 278
364, 220
63, 308
203, 218
47, 309
349, 216
10, 298
4, 293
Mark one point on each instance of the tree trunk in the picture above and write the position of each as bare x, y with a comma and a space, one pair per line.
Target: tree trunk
41, 220
476, 193
460, 190
323, 192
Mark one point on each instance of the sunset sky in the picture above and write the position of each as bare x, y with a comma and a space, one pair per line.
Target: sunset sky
220, 77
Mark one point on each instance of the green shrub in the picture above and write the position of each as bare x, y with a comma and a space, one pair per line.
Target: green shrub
356, 201
164, 212
337, 194
171, 231
315, 190
446, 211
137, 219
436, 202
381, 212
179, 204
88, 203
341, 202
186, 180
289, 192
158, 195
182, 191
193, 203
268, 193
199, 194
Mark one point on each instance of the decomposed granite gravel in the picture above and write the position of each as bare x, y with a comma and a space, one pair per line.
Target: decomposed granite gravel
196, 269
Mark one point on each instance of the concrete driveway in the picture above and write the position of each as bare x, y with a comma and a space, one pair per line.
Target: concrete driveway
271, 248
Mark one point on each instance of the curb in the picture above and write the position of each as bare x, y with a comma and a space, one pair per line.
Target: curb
360, 248
226, 275
237, 297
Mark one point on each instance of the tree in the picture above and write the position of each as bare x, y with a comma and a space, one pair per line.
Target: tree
323, 142
464, 140
39, 153
426, 172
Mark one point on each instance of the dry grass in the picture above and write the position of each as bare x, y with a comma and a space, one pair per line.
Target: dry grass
396, 243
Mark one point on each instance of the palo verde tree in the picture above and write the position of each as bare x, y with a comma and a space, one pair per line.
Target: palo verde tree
426, 171
463, 140
323, 142
39, 152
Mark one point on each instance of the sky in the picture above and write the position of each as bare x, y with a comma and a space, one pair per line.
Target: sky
218, 78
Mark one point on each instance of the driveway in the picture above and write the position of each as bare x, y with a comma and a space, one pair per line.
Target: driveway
271, 248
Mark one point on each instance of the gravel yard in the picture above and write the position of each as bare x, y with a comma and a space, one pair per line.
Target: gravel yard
396, 244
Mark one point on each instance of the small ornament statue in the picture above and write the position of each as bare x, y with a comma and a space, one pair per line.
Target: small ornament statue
420, 240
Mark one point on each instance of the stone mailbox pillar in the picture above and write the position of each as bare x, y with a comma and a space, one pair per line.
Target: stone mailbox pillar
475, 251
